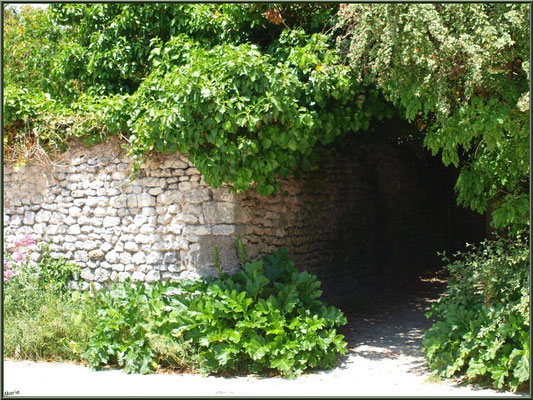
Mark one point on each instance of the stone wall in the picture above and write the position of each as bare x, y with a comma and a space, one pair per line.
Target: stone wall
372, 211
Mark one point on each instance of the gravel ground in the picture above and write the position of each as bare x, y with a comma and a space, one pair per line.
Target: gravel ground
384, 359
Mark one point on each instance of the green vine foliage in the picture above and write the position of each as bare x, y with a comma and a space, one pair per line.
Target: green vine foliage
251, 93
460, 72
245, 116
255, 92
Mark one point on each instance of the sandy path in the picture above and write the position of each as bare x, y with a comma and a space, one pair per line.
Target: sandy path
384, 359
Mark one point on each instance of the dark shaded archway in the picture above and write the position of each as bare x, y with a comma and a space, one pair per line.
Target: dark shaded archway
392, 209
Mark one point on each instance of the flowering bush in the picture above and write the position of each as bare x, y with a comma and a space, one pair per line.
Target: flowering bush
8, 272
17, 260
43, 319
36, 267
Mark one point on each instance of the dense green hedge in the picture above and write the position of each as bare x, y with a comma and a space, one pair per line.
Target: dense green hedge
265, 318
482, 327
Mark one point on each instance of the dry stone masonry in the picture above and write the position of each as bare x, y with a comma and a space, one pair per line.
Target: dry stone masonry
349, 222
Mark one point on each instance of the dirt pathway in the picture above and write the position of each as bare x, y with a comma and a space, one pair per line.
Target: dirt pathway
384, 359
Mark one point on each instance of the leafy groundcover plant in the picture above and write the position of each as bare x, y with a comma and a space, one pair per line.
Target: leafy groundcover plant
483, 319
266, 318
43, 318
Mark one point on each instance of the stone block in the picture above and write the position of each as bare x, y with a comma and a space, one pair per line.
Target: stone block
170, 197
118, 201
224, 213
148, 211
43, 216
223, 230
198, 230
198, 195
29, 218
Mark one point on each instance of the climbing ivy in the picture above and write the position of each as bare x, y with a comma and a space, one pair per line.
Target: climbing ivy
254, 92
247, 105
245, 116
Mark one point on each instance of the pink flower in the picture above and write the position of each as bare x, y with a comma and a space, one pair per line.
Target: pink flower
8, 274
27, 240
6, 265
18, 256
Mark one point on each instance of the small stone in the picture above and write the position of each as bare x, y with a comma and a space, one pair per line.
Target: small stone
81, 256
174, 268
106, 247
111, 221
147, 228
131, 246
100, 212
15, 221
155, 191
40, 229
187, 218
138, 258
89, 245
192, 171
29, 218
185, 186
101, 274
131, 201
122, 276
142, 238
171, 257
51, 229
153, 276
112, 257
117, 267
74, 230
119, 175
137, 276
96, 255
145, 200
43, 216
140, 220
154, 258
149, 211
87, 274
164, 219
125, 258
74, 212
118, 201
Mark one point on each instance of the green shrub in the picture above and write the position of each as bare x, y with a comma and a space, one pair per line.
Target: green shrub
483, 319
265, 318
43, 318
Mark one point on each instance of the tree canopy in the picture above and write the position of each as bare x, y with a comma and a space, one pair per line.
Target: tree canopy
254, 92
